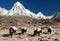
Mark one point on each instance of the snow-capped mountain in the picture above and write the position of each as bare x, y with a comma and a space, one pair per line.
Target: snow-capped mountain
29, 13
49, 17
56, 15
18, 9
3, 11
40, 15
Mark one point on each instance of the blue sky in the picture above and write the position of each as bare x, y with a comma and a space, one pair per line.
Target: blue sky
47, 7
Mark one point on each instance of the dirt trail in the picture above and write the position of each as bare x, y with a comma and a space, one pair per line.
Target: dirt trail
47, 37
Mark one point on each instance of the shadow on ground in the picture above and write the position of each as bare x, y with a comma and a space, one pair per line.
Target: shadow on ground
5, 35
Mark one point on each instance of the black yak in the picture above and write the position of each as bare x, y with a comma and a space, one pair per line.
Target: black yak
12, 30
37, 31
23, 30
49, 30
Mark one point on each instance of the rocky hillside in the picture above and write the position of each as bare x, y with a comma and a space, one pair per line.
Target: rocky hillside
30, 23
26, 21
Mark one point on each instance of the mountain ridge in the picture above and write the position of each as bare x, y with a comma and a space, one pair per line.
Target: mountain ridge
18, 9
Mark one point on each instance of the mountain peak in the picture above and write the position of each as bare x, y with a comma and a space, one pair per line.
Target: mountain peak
56, 15
39, 13
3, 11
18, 4
18, 9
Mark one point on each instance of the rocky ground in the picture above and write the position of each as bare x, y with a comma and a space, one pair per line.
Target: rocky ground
54, 36
31, 24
